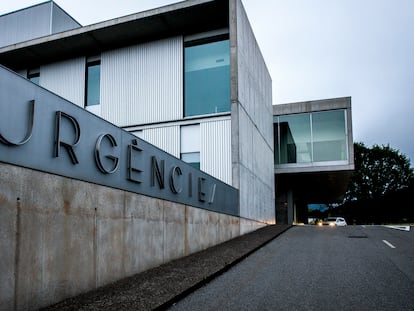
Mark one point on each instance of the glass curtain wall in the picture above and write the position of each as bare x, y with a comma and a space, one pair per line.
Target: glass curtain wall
207, 77
329, 136
310, 137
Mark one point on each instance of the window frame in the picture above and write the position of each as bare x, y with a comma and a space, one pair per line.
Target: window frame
32, 74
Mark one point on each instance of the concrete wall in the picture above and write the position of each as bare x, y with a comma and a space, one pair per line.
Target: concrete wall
60, 237
252, 125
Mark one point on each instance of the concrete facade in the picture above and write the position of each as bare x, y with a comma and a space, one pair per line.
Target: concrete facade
252, 131
142, 78
60, 237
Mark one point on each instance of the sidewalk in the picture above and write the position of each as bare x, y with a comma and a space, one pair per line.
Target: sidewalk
160, 287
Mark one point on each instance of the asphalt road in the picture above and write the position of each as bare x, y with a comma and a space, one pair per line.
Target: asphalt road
318, 268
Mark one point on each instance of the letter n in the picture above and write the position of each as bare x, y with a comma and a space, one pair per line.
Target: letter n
157, 172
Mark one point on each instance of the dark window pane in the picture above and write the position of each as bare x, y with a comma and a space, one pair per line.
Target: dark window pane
93, 83
192, 158
329, 136
295, 139
34, 76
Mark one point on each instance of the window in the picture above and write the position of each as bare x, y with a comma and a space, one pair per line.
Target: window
190, 144
295, 139
311, 137
329, 136
207, 77
93, 81
192, 158
34, 75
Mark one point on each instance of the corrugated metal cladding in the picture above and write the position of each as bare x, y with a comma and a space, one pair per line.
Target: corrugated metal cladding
215, 153
66, 79
143, 83
166, 138
34, 22
25, 24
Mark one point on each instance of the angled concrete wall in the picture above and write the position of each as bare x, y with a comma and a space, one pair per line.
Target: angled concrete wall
60, 237
252, 129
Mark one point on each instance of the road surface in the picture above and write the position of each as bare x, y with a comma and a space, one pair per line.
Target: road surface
318, 268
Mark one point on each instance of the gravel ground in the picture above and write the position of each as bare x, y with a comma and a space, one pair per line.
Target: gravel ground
160, 287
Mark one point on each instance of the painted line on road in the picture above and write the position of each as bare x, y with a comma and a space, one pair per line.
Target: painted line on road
403, 228
388, 243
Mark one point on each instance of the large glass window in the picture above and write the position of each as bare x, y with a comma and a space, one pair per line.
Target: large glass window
295, 139
206, 77
310, 137
93, 82
329, 139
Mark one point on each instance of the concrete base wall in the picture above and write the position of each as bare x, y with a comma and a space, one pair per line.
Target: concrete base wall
60, 237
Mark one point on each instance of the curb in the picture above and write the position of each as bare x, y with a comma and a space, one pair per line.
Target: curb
211, 277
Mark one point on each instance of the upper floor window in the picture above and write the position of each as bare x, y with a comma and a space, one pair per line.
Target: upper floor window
311, 137
207, 76
34, 75
93, 81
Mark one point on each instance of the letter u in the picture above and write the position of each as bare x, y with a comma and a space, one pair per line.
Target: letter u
29, 133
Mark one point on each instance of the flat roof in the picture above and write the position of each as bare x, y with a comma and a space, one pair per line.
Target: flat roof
183, 18
312, 106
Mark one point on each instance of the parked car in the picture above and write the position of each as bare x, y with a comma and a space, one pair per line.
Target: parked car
334, 221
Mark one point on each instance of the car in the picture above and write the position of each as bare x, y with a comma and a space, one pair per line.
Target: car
334, 221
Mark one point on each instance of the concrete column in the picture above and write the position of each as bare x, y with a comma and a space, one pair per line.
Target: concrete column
291, 210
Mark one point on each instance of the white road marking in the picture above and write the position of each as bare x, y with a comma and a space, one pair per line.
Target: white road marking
388, 243
403, 228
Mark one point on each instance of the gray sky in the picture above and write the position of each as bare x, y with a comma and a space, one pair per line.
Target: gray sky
319, 49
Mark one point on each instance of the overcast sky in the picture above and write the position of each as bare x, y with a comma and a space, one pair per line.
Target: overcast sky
316, 50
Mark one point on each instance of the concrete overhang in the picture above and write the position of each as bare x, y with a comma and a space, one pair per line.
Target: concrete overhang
313, 106
315, 187
323, 182
183, 18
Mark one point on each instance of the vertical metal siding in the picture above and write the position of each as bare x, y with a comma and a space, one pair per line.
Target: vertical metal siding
67, 79
215, 153
25, 24
143, 83
166, 138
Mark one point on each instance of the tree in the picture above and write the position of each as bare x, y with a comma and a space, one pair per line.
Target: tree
379, 170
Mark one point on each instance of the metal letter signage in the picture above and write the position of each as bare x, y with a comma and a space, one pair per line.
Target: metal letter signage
98, 158
59, 143
29, 129
42, 131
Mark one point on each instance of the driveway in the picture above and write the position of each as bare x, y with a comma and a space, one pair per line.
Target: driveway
318, 268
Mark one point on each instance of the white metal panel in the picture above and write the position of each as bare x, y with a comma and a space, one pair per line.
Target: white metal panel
166, 138
143, 83
139, 133
215, 153
190, 138
95, 109
67, 79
